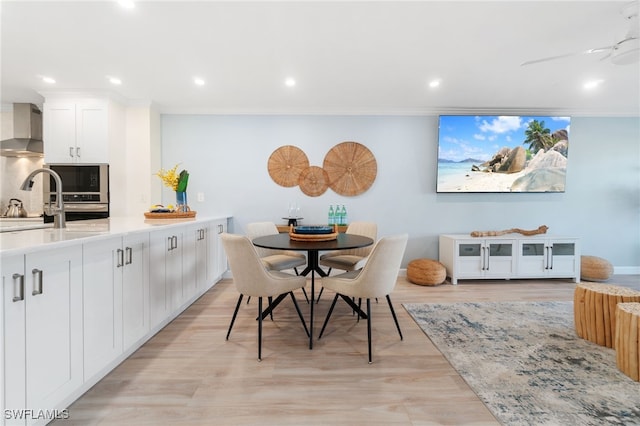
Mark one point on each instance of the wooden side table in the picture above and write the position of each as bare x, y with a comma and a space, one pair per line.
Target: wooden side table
627, 339
594, 310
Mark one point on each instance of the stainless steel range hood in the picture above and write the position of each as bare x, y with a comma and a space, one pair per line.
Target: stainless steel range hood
27, 133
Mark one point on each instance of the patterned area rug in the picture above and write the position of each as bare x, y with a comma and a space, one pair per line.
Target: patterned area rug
525, 362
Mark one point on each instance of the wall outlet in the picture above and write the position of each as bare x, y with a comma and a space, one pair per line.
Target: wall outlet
200, 196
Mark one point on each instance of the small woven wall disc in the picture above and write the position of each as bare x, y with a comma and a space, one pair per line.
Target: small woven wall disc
285, 165
313, 181
351, 167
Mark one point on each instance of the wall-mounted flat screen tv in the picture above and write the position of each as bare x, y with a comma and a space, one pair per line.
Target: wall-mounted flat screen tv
502, 153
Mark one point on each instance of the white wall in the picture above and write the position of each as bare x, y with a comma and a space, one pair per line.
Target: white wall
227, 159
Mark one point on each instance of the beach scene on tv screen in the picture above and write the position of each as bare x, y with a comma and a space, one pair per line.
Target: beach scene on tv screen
482, 153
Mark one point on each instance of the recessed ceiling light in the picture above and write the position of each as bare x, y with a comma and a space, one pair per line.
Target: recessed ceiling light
198, 81
592, 84
290, 82
434, 83
48, 80
127, 4
114, 80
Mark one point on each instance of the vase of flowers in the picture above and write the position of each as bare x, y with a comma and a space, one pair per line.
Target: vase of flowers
178, 182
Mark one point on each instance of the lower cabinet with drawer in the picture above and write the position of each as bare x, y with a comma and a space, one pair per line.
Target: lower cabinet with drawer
72, 313
42, 338
507, 257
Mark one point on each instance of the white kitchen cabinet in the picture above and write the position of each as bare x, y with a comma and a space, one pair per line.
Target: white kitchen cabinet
135, 288
76, 131
43, 332
549, 257
115, 290
509, 257
70, 313
102, 303
218, 257
14, 337
165, 282
195, 259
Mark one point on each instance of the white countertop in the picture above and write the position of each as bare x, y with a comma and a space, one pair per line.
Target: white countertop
30, 240
9, 224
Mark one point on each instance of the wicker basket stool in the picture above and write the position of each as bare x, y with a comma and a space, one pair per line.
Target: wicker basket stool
426, 272
627, 339
593, 268
594, 310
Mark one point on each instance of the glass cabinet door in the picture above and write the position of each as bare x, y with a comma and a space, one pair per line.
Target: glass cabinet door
469, 250
499, 258
533, 249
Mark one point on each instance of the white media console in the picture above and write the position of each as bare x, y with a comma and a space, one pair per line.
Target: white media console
510, 256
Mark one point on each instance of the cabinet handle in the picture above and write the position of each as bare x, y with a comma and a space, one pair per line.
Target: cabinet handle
546, 257
487, 257
173, 242
78, 152
129, 258
37, 279
120, 260
20, 279
551, 257
220, 229
71, 151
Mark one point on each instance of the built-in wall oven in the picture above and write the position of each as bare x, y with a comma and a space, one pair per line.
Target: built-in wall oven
85, 190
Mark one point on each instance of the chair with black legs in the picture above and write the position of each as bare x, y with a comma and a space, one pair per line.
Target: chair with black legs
251, 278
276, 260
376, 279
353, 259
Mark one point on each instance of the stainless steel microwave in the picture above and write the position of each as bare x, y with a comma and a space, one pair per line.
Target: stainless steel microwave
85, 189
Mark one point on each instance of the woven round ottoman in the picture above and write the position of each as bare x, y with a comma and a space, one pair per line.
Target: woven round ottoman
426, 272
593, 268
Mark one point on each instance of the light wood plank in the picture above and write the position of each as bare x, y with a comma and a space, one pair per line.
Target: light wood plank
189, 375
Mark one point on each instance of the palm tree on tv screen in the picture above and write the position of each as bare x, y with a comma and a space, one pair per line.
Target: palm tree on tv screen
538, 137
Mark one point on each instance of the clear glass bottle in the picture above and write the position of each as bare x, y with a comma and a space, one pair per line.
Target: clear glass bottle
343, 215
332, 216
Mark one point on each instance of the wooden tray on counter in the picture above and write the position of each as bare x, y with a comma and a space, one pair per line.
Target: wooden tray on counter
170, 215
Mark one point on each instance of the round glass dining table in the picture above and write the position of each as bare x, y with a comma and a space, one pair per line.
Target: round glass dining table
283, 241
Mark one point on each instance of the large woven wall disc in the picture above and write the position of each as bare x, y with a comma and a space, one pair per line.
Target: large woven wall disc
313, 181
285, 165
351, 167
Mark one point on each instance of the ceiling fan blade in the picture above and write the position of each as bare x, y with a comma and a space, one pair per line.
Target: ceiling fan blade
566, 55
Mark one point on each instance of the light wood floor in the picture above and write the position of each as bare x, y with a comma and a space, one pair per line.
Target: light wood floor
188, 374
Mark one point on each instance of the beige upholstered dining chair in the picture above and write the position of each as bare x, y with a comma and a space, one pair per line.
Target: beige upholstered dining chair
353, 259
376, 279
277, 260
252, 279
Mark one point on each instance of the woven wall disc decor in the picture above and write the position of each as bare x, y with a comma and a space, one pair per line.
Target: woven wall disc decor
313, 181
285, 165
351, 167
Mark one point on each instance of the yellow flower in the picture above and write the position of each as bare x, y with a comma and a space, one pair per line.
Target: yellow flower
169, 177
173, 180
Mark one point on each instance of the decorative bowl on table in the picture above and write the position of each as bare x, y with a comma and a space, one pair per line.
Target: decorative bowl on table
313, 233
322, 229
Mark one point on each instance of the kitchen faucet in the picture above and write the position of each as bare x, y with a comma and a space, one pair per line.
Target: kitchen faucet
58, 211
